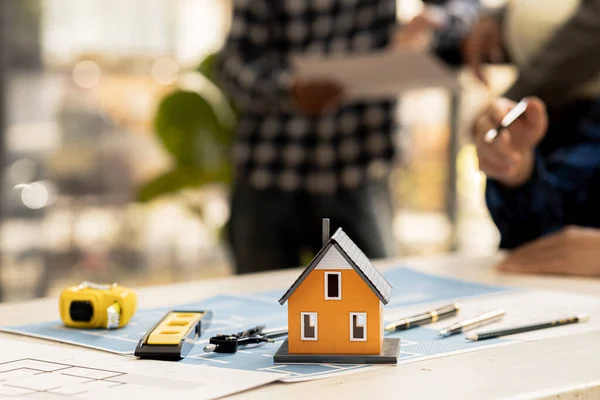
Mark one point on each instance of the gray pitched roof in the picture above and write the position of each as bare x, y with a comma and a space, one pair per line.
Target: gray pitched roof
356, 258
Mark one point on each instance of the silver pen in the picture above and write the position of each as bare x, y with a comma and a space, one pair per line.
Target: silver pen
472, 323
507, 121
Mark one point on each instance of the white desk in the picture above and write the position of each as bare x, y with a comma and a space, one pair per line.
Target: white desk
551, 368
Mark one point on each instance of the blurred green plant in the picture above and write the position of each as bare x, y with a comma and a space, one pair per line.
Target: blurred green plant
196, 129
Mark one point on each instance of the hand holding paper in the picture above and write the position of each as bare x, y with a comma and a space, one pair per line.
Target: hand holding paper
378, 75
418, 34
315, 97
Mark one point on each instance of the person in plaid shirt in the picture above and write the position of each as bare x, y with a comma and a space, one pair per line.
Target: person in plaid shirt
300, 155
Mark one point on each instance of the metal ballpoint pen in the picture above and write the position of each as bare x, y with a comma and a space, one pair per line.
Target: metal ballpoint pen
507, 121
427, 317
472, 323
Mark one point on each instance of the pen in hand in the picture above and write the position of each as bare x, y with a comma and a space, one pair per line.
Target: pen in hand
507, 121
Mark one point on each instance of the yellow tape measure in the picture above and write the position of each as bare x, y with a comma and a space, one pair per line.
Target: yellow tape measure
91, 305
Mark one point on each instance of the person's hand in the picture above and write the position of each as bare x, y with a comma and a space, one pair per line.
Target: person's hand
418, 33
509, 159
483, 44
316, 97
572, 251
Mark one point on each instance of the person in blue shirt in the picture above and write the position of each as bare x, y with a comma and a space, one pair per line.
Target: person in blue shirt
543, 188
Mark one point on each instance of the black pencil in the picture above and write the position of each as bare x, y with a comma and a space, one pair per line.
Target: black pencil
528, 328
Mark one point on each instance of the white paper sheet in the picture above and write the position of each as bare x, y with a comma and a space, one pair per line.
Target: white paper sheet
39, 371
377, 75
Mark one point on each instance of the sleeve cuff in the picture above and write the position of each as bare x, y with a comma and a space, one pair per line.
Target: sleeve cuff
458, 18
513, 200
520, 89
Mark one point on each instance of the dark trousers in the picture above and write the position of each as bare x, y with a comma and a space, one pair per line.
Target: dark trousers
271, 229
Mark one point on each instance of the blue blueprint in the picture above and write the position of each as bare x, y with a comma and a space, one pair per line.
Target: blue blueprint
234, 313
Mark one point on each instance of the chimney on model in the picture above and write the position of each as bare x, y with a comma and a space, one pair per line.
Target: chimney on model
325, 231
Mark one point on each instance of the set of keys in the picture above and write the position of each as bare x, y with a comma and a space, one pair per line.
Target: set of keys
230, 343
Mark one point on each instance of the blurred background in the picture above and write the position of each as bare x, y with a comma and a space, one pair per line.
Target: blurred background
92, 187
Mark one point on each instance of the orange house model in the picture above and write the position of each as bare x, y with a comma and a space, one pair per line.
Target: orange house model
335, 309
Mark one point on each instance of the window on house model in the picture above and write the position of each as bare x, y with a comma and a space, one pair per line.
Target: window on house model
358, 327
333, 285
309, 326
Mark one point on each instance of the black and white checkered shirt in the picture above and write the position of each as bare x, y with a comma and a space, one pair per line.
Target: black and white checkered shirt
276, 146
